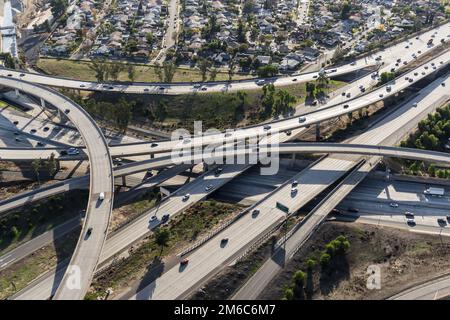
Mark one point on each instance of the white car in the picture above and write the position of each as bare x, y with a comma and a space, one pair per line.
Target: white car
73, 151
186, 197
208, 187
101, 196
301, 119
393, 205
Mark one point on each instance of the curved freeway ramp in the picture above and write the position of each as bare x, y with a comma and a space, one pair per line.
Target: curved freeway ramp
79, 274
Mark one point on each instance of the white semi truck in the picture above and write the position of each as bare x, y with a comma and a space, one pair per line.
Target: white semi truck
433, 191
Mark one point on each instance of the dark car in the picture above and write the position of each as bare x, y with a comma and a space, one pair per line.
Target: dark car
346, 106
66, 111
224, 241
89, 232
218, 171
16, 123
184, 262
165, 217
46, 129
154, 145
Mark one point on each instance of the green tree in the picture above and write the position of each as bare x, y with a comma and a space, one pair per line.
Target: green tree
131, 69
204, 65
52, 165
169, 70
162, 236
268, 71
299, 285
101, 69
213, 74
325, 259
322, 82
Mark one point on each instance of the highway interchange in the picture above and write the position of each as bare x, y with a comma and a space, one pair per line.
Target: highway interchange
206, 260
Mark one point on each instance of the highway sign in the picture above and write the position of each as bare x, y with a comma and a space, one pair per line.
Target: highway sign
282, 207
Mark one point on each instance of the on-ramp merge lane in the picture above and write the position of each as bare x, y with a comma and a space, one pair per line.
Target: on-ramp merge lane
98, 213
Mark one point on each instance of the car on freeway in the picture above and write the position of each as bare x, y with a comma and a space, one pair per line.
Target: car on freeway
448, 218
267, 127
410, 222
33, 131
165, 217
161, 88
153, 145
186, 197
10, 75
348, 95
82, 86
301, 119
293, 191
197, 86
255, 213
208, 187
204, 88
153, 218
346, 106
335, 211
146, 89
40, 144
353, 63
16, 133
416, 74
415, 104
381, 95
18, 139
294, 183
393, 205
227, 134
66, 111
73, 151
260, 82
46, 129
187, 140
224, 241
16, 122
184, 262
443, 84
288, 132
89, 232
343, 94
441, 222
411, 80
101, 196
388, 88
22, 75
295, 79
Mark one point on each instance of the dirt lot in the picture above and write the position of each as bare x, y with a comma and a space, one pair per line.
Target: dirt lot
405, 258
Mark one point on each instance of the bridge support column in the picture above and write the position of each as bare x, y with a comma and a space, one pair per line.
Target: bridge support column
124, 181
317, 131
293, 159
17, 92
152, 155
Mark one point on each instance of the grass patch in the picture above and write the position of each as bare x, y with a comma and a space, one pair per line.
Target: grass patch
80, 70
